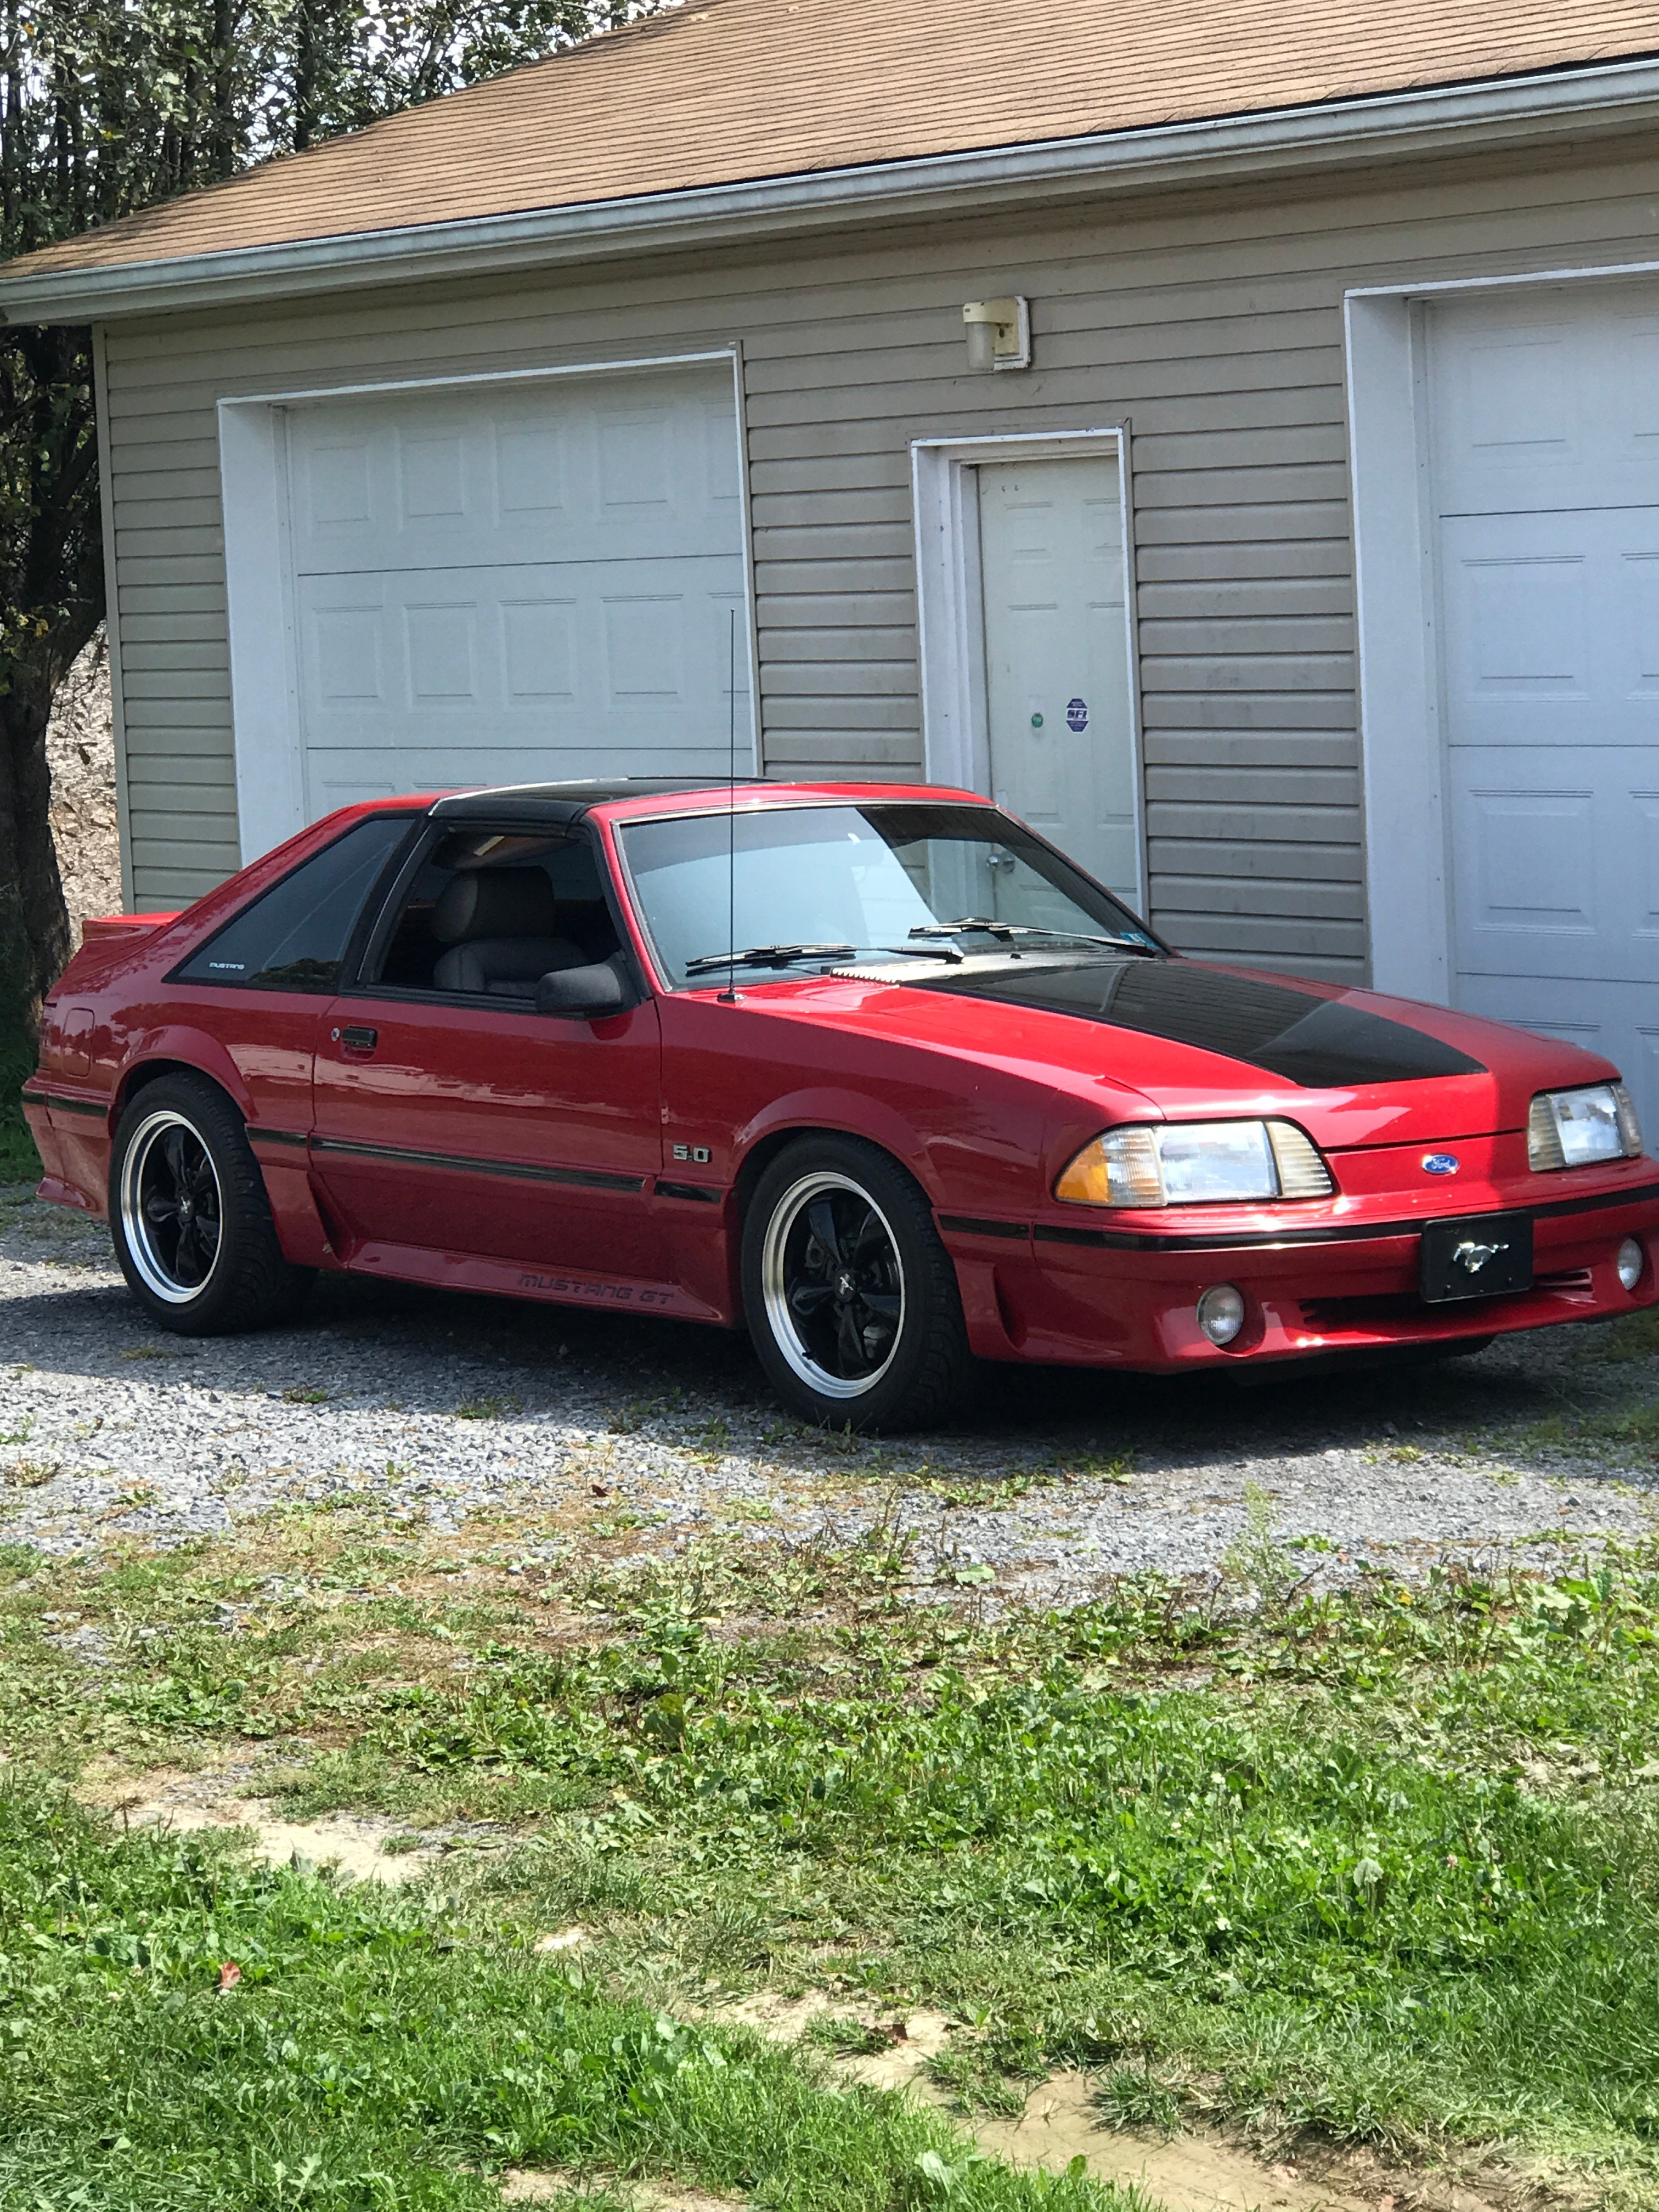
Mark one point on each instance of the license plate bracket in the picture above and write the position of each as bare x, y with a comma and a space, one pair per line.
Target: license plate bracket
1479, 1255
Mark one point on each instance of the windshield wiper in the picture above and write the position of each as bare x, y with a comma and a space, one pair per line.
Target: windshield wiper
766, 956
1013, 929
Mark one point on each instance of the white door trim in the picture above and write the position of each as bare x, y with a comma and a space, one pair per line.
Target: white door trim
1407, 863
264, 685
1508, 280
949, 603
454, 380
265, 688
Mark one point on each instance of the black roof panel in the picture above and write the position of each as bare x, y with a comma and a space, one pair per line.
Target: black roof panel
568, 802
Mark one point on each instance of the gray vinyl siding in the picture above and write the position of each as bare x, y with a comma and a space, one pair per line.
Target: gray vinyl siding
1211, 325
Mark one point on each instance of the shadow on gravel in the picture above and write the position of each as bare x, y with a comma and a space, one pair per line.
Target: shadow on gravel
424, 1350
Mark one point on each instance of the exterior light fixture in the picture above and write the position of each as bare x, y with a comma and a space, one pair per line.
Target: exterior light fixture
1221, 1313
999, 333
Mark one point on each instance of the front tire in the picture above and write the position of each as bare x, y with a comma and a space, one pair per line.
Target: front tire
851, 1298
189, 1216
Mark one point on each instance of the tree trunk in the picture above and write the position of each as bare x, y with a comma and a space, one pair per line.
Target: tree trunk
305, 74
224, 138
34, 930
52, 584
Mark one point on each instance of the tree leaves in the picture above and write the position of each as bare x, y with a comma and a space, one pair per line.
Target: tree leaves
107, 107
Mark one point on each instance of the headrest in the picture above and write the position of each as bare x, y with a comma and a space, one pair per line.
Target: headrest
493, 903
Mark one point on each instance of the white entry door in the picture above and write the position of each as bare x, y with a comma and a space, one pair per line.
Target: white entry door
1546, 448
1058, 706
517, 583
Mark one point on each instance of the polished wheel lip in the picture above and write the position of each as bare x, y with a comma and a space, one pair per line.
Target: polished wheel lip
135, 1230
774, 1285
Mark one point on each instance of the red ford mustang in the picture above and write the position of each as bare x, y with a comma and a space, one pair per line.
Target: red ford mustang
873, 1070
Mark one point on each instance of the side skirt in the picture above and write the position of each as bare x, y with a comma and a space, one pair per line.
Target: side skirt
515, 1279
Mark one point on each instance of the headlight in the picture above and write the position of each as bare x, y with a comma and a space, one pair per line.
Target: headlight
1196, 1164
1574, 1129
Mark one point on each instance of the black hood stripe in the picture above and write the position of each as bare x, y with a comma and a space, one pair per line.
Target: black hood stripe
1316, 1043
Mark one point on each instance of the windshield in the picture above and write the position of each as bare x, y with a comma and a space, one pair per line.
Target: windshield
825, 884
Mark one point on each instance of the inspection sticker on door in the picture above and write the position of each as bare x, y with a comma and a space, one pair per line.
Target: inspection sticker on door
1077, 713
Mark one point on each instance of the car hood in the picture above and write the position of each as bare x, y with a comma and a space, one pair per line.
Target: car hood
1185, 1039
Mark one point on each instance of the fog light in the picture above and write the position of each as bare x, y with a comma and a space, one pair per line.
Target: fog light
1629, 1263
1221, 1313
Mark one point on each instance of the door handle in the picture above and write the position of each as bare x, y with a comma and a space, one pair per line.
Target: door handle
356, 1038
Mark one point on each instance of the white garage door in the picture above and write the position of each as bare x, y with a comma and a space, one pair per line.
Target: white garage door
516, 583
1545, 472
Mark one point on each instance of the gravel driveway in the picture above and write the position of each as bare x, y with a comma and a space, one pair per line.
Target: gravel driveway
439, 1405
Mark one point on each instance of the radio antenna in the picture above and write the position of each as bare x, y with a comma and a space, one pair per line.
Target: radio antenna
729, 995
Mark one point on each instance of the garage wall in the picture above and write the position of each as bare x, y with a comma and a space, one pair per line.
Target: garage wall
1213, 328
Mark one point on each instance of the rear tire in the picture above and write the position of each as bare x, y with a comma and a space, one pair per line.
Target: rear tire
189, 1215
851, 1298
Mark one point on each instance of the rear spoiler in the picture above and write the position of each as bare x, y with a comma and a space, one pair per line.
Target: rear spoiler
98, 929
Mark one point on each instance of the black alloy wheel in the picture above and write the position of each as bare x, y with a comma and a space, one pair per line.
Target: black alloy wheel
834, 1285
172, 1211
851, 1298
189, 1214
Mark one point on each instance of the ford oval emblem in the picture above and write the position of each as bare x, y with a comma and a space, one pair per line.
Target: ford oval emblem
1440, 1164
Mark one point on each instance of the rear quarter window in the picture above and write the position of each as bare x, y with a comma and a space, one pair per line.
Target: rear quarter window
294, 937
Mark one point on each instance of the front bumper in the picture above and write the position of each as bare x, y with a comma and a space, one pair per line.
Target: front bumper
1120, 1293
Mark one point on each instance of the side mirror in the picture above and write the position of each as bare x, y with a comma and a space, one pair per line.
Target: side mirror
581, 993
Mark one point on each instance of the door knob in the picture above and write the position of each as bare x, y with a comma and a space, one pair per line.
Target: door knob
360, 1040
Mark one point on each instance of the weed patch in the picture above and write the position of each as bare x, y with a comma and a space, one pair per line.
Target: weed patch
1636, 1336
488, 1409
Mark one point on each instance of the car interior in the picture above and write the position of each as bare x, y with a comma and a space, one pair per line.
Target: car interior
490, 912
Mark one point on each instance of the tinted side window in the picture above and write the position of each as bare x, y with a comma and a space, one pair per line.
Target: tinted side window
294, 937
489, 911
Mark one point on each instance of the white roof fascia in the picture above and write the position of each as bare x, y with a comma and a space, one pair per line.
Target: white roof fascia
1622, 95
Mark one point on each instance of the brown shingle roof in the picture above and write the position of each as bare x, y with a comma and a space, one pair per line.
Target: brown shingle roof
724, 91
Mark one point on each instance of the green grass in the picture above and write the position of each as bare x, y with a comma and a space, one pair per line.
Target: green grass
1381, 1867
19, 1161
377, 2052
1629, 1341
